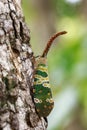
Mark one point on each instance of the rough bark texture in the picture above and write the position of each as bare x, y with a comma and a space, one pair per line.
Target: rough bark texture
17, 110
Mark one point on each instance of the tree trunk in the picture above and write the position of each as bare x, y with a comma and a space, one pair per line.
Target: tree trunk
17, 110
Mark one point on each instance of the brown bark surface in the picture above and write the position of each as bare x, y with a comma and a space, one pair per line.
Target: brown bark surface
17, 110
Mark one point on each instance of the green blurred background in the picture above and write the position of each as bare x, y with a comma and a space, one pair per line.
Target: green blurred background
67, 58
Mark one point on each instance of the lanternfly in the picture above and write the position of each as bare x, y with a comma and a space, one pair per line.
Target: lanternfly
41, 90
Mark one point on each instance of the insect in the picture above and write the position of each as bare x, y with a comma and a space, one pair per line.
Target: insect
41, 90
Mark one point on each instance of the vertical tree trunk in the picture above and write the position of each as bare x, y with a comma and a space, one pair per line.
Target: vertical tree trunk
17, 110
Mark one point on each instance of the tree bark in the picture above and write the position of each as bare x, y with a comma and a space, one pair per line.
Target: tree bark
17, 109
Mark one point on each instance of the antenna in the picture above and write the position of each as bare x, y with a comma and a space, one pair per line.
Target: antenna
49, 43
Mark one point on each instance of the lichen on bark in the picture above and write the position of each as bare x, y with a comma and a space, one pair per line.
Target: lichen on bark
17, 110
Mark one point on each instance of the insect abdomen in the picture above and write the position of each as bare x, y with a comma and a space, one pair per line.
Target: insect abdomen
42, 91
